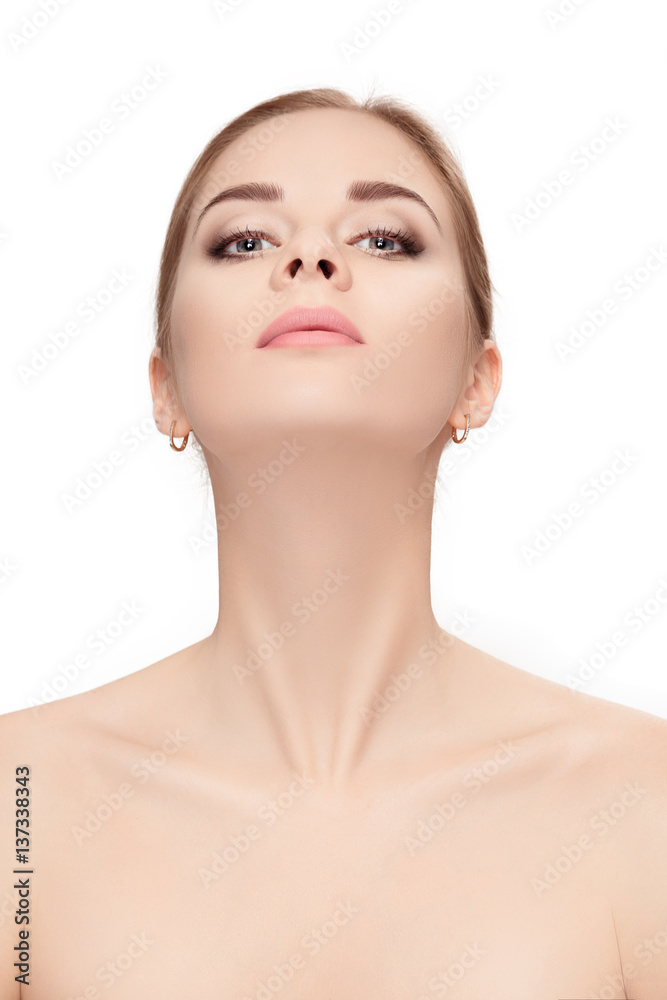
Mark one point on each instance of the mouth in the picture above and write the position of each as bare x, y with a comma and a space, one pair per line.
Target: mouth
321, 326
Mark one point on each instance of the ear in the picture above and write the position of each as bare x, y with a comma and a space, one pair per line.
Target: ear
482, 385
166, 403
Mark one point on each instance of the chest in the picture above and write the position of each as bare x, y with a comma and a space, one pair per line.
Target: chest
161, 893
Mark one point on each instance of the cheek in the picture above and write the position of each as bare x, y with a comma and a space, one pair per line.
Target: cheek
205, 320
203, 360
430, 336
415, 374
197, 316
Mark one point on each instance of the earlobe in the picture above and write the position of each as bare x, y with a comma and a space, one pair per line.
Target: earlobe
171, 438
460, 440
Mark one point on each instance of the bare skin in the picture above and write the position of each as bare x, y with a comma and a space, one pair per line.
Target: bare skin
171, 862
270, 817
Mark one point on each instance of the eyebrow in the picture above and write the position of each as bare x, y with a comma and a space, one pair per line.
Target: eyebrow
357, 191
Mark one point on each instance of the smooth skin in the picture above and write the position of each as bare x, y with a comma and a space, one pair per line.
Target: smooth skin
213, 826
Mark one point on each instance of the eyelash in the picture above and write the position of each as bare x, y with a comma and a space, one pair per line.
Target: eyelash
217, 251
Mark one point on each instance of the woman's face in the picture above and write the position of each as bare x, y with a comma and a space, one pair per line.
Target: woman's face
316, 247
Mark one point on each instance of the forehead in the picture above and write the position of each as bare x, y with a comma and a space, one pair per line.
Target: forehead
320, 151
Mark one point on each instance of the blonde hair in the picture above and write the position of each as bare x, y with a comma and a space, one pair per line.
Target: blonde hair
478, 288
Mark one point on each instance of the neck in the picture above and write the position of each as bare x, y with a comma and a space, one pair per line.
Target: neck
324, 599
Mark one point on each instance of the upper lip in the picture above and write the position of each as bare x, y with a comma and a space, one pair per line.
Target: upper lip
310, 318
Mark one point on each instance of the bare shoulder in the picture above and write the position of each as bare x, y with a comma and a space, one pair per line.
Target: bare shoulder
76, 746
596, 748
126, 709
59, 760
607, 764
611, 734
632, 820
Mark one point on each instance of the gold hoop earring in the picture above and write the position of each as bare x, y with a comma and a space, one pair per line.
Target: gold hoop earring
465, 435
171, 438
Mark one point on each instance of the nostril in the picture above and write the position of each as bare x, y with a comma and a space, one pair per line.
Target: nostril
327, 268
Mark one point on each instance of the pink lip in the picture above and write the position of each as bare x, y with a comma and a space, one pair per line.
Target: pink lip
321, 326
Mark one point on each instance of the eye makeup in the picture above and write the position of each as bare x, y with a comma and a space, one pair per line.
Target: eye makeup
410, 246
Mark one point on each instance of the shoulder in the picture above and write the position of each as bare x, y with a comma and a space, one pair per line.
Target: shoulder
58, 760
63, 725
75, 746
129, 709
607, 731
632, 761
603, 742
79, 746
634, 821
605, 765
590, 751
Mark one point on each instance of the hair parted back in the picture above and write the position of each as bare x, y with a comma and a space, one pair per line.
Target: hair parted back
414, 125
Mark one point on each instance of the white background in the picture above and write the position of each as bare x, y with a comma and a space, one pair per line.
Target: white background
551, 84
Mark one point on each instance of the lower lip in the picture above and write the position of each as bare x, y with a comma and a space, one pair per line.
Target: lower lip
312, 338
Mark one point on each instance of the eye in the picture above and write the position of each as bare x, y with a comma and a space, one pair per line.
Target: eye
394, 236
241, 244
239, 240
383, 241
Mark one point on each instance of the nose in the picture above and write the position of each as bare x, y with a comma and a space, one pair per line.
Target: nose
307, 256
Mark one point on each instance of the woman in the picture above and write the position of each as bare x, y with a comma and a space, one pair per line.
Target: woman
331, 795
